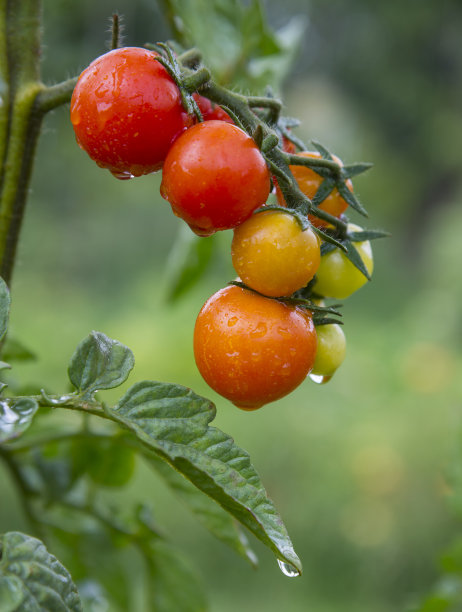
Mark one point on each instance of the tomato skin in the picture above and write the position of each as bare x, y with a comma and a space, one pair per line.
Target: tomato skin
331, 349
214, 177
337, 277
251, 349
211, 111
126, 111
308, 181
273, 255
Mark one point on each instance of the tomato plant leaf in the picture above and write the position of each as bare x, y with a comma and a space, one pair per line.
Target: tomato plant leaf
33, 579
351, 199
173, 422
104, 459
14, 350
4, 307
188, 261
351, 170
243, 51
324, 189
327, 247
356, 259
172, 582
15, 417
367, 235
209, 513
99, 363
93, 553
325, 153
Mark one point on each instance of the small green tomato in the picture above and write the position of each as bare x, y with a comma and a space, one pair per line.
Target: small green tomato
337, 277
331, 349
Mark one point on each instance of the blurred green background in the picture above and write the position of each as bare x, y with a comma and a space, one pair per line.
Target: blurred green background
360, 469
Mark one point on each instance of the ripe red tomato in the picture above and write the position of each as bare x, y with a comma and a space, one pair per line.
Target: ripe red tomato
251, 349
211, 111
126, 111
308, 181
273, 255
214, 177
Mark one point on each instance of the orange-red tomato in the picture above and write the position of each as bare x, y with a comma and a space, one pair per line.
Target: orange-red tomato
251, 349
126, 111
214, 177
273, 255
308, 181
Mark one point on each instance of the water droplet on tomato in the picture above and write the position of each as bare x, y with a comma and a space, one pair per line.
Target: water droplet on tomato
123, 176
288, 570
101, 90
319, 379
259, 331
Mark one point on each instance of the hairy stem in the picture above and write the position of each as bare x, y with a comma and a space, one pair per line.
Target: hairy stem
23, 102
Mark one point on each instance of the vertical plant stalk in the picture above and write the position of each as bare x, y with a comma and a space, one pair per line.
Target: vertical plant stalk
19, 120
24, 101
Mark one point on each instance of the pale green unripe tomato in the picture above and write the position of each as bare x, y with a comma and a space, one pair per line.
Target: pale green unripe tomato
331, 349
337, 277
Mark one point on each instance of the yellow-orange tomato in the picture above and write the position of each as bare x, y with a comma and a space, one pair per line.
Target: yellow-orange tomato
251, 349
308, 181
273, 255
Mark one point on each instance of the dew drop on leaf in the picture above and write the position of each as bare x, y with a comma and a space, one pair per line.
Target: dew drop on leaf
288, 570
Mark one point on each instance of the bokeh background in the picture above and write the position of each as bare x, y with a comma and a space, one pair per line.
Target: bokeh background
360, 469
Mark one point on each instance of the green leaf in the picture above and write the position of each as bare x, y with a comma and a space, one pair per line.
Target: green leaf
188, 261
324, 189
4, 307
173, 422
93, 553
33, 579
106, 461
325, 154
243, 51
172, 582
99, 363
351, 170
93, 596
209, 513
327, 247
14, 350
367, 235
351, 199
326, 237
15, 417
356, 259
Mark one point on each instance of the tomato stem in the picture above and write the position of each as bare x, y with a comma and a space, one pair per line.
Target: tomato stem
24, 101
241, 108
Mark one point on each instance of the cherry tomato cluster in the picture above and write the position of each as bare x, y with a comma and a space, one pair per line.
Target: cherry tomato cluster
256, 340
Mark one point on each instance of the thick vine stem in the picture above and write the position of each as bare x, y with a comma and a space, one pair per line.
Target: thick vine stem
241, 107
24, 100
